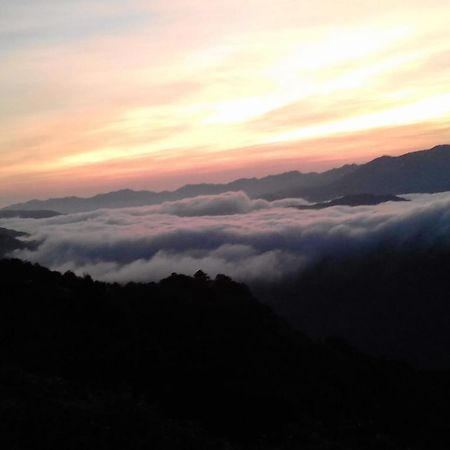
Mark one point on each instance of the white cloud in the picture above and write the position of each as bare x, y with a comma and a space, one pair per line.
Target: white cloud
250, 240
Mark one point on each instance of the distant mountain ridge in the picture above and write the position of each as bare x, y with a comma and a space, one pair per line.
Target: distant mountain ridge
424, 171
254, 187
30, 214
355, 200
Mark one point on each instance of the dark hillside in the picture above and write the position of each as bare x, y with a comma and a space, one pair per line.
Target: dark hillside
192, 363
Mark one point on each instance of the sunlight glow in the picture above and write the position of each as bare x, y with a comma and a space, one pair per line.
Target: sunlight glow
432, 108
193, 83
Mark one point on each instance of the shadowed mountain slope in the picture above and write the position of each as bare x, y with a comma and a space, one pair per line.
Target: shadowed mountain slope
389, 300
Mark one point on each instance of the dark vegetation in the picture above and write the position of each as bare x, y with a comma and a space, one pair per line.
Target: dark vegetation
355, 200
192, 363
423, 171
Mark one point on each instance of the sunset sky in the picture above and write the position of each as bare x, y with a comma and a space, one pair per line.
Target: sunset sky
99, 95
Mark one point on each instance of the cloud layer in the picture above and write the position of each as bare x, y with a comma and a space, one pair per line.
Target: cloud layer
250, 240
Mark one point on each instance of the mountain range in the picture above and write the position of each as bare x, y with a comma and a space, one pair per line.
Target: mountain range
355, 200
424, 171
31, 214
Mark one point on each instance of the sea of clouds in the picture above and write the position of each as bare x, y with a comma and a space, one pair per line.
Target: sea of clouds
249, 240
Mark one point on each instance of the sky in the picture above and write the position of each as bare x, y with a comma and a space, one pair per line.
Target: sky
98, 95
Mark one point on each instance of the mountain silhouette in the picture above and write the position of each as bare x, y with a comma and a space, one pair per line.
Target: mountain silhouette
32, 214
423, 171
355, 200
254, 187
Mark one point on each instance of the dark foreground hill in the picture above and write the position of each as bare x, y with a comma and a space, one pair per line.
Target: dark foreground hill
192, 363
424, 171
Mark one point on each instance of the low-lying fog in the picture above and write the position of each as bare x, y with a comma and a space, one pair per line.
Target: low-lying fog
249, 240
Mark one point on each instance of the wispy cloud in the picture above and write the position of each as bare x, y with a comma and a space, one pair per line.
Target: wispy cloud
87, 86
